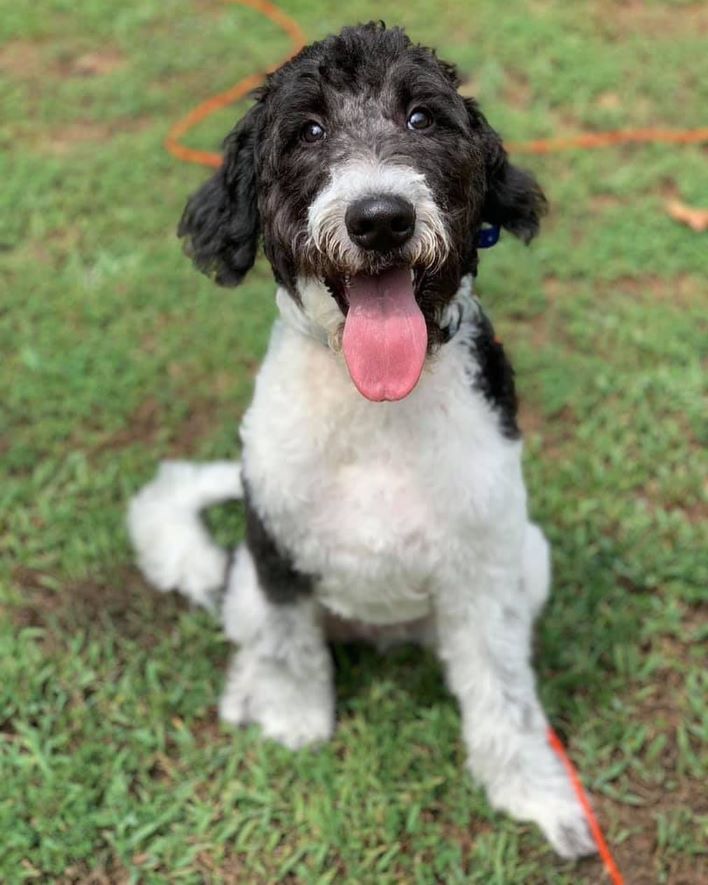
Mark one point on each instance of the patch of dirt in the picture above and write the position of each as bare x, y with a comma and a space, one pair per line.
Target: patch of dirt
517, 90
27, 60
683, 290
63, 140
695, 511
687, 642
603, 202
114, 873
556, 431
537, 330
531, 420
609, 101
555, 289
120, 599
199, 424
619, 19
52, 246
545, 328
230, 868
146, 424
23, 59
209, 729
93, 64
142, 426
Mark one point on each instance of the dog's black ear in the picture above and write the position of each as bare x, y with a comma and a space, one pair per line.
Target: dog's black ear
514, 198
220, 224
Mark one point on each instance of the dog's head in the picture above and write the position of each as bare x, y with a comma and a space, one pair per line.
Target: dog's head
368, 177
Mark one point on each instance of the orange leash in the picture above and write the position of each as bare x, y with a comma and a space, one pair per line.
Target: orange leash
239, 90
587, 141
593, 140
298, 38
602, 847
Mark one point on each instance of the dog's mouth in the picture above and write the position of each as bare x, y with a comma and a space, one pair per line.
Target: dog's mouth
385, 338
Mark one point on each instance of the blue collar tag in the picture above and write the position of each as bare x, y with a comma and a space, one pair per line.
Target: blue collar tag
488, 236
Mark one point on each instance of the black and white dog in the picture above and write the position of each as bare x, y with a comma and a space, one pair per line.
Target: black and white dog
381, 467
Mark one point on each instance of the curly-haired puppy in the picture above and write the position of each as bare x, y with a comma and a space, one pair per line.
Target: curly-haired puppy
381, 469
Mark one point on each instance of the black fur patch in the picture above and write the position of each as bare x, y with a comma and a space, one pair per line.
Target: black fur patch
281, 582
495, 376
220, 222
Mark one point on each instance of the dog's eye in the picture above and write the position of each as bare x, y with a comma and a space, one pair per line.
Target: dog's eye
419, 118
312, 132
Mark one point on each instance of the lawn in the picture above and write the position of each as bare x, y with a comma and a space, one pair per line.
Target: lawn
116, 353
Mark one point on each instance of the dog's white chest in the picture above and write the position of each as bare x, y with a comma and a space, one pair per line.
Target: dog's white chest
369, 497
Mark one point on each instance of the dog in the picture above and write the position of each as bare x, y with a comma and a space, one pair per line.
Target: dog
381, 468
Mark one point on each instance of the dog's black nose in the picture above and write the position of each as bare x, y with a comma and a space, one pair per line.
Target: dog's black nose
380, 223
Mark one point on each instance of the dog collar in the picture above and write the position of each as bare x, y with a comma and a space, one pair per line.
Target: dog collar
488, 236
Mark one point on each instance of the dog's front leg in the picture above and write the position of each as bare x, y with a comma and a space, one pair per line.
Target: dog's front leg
281, 675
484, 634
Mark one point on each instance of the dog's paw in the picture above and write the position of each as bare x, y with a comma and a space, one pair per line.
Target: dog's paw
311, 727
551, 804
295, 715
570, 836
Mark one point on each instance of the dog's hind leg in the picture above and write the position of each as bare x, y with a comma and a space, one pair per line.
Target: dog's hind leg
174, 550
281, 675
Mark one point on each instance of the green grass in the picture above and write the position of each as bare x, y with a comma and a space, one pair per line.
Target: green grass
115, 353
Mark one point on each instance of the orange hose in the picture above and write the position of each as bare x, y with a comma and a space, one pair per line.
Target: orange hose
586, 141
229, 96
592, 140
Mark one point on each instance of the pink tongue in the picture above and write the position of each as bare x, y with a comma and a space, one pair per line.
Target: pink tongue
385, 338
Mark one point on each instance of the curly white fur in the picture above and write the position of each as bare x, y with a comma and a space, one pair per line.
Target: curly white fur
354, 179
174, 550
413, 511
